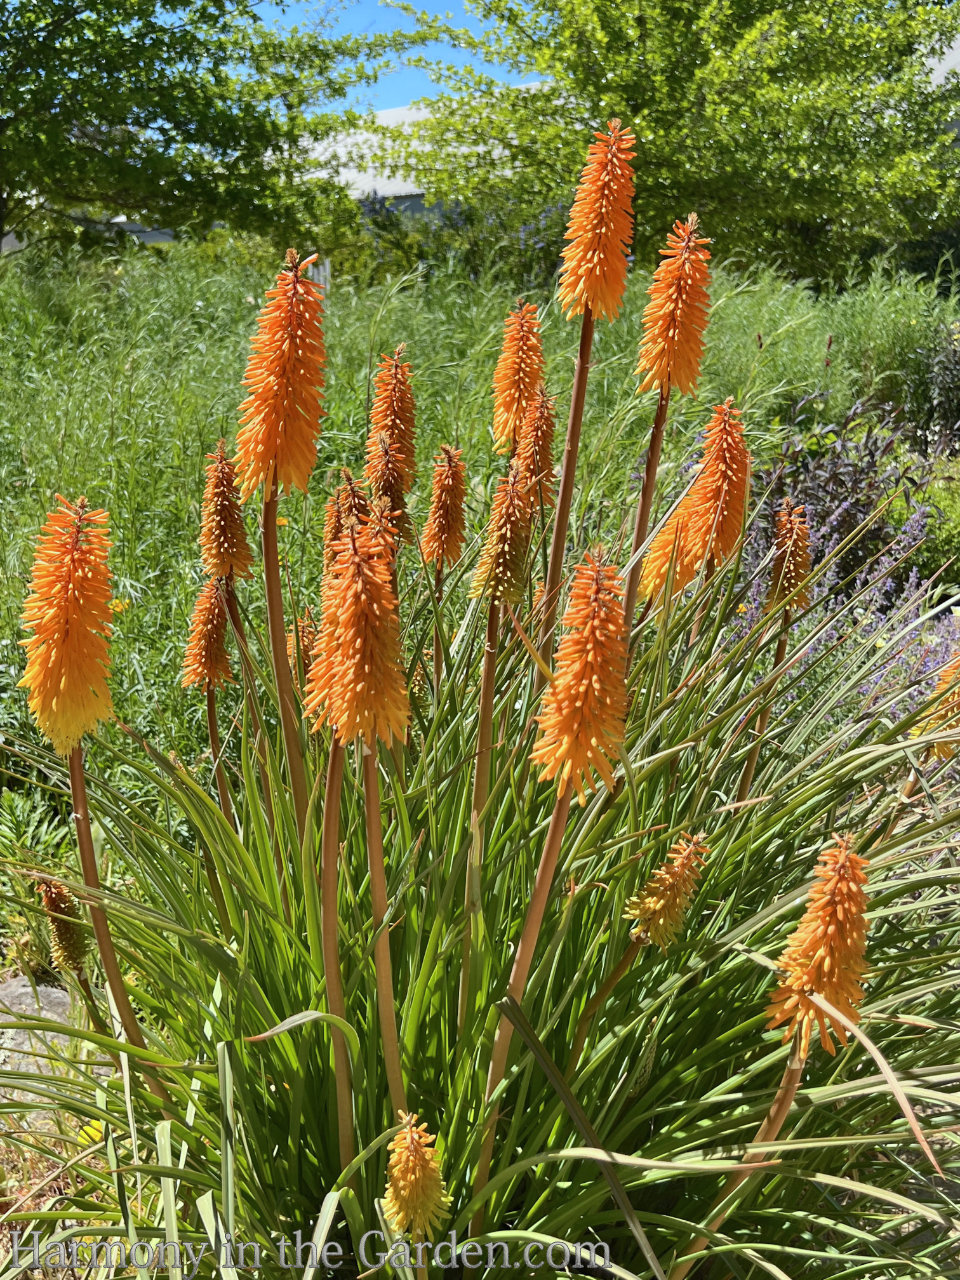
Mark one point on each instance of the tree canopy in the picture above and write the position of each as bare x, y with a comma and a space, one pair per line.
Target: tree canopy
812, 131
174, 111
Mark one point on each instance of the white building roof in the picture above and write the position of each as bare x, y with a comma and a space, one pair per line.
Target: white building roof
362, 181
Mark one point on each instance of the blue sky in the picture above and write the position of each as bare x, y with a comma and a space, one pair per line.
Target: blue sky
369, 17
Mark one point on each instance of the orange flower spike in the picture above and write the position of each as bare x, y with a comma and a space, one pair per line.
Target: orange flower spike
393, 411
826, 954
68, 615
600, 230
280, 418
443, 533
676, 315
346, 507
205, 662
721, 488
708, 519
384, 471
535, 449
582, 725
659, 909
367, 693
518, 373
318, 673
501, 569
223, 540
416, 1199
791, 558
383, 524
945, 715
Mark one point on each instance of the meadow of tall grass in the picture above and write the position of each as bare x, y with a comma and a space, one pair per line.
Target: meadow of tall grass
120, 372
357, 881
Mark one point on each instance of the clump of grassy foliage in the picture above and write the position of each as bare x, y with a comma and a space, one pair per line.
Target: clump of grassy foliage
630, 1138
120, 370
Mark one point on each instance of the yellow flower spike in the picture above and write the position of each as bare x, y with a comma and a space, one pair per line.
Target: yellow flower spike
416, 1199
658, 910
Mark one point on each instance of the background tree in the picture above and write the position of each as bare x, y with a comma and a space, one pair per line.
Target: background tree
174, 111
810, 130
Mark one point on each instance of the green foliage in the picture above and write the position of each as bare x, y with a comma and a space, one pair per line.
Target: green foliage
178, 112
677, 1069
121, 371
807, 132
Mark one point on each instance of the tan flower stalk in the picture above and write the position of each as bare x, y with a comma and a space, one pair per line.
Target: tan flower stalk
592, 282
581, 728
67, 614
791, 569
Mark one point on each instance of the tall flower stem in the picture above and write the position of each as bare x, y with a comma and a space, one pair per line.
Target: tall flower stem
481, 793
223, 792
750, 768
278, 650
330, 947
645, 505
98, 918
568, 472
260, 745
437, 646
523, 962
768, 1132
597, 1001
381, 947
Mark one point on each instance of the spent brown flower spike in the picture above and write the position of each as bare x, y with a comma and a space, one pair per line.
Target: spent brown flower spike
502, 568
791, 559
535, 450
205, 663
392, 411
